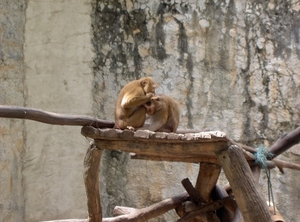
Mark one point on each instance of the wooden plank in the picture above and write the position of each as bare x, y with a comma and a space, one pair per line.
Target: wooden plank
172, 158
145, 135
91, 181
239, 175
154, 148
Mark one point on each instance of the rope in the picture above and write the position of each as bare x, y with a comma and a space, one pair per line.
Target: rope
261, 157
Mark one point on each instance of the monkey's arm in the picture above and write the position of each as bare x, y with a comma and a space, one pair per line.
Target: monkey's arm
130, 102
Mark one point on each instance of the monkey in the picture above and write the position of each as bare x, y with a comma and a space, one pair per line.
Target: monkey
164, 113
130, 109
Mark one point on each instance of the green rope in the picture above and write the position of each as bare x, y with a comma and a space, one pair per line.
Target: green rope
261, 157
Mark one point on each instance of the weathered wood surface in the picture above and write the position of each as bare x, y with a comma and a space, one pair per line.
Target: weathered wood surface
207, 178
194, 194
162, 146
285, 142
172, 158
145, 135
91, 181
52, 118
239, 175
138, 215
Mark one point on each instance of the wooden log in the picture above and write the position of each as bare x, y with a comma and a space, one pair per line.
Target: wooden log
284, 164
203, 209
285, 142
194, 194
149, 212
256, 174
207, 178
91, 181
119, 210
239, 175
52, 118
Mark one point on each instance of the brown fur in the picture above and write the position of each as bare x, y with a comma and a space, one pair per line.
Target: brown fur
164, 114
130, 110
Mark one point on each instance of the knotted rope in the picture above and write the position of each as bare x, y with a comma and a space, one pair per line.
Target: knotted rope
261, 157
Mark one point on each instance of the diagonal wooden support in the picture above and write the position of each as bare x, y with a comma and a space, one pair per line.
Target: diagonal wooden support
253, 207
194, 194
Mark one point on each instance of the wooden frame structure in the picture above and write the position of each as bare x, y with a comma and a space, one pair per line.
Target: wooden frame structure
213, 150
204, 202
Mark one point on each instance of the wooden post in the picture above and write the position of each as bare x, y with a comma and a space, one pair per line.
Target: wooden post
91, 181
253, 207
207, 178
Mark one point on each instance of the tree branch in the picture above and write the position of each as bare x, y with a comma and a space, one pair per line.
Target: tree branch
285, 142
52, 118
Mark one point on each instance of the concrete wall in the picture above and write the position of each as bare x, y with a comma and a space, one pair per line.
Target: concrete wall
233, 66
58, 78
12, 21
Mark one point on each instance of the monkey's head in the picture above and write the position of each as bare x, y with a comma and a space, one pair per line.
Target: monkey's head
148, 84
154, 105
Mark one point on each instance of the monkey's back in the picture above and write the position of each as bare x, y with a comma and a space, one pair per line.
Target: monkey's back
173, 109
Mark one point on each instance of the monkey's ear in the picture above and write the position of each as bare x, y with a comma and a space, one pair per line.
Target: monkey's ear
144, 82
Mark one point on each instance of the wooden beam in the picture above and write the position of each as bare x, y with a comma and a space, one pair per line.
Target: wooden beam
207, 179
239, 175
194, 194
52, 118
153, 147
172, 158
285, 142
145, 135
91, 181
138, 215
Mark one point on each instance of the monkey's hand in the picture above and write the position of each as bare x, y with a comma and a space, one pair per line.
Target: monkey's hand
149, 95
131, 128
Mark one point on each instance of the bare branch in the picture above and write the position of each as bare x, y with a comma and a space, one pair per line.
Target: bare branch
52, 118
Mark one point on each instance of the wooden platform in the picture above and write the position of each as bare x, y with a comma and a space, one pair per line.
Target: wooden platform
212, 150
190, 147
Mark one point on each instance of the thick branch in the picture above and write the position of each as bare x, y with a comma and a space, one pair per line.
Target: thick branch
52, 118
285, 142
149, 212
240, 177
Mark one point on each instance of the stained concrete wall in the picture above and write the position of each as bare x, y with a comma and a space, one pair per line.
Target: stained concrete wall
233, 66
12, 21
58, 78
